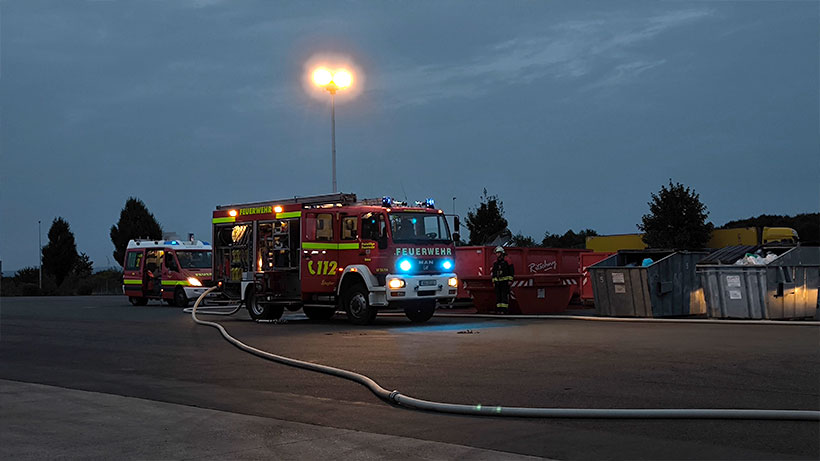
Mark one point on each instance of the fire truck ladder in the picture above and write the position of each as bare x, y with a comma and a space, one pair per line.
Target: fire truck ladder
306, 202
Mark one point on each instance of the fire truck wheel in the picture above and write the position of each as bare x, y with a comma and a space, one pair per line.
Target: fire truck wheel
357, 305
262, 311
180, 299
421, 311
319, 313
138, 301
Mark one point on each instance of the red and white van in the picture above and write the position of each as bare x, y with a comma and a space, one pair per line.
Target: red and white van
172, 270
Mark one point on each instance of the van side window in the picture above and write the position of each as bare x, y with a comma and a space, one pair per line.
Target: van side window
133, 260
349, 228
171, 262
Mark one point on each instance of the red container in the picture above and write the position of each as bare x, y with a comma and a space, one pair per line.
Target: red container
477, 261
535, 294
588, 259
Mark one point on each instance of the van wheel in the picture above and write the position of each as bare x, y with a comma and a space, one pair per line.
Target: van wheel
261, 311
420, 312
357, 305
138, 301
320, 314
180, 299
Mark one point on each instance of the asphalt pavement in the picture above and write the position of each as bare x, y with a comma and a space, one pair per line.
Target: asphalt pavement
107, 350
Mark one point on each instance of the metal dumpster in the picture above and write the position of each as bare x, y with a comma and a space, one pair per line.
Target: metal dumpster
784, 288
588, 259
668, 286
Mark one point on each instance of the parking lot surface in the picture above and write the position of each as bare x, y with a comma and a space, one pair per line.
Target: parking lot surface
158, 354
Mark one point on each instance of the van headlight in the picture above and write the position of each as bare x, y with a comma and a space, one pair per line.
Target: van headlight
396, 283
453, 282
194, 282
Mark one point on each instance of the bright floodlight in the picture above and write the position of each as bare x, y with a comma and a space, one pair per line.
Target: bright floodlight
322, 76
342, 78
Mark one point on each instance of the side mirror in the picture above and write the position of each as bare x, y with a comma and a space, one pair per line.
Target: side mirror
457, 231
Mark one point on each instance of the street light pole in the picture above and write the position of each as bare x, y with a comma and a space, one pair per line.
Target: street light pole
332, 82
333, 132
40, 252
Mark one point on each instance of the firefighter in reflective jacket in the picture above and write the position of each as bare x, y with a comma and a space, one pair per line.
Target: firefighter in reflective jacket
502, 277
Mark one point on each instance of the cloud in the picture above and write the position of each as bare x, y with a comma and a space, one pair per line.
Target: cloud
600, 49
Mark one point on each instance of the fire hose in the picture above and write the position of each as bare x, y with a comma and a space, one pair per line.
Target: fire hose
404, 401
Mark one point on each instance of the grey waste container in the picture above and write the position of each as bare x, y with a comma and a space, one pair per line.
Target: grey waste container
785, 288
668, 287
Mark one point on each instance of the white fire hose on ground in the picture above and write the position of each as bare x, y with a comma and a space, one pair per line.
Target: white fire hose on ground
404, 401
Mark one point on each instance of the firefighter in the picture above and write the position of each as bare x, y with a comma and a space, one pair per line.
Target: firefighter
502, 277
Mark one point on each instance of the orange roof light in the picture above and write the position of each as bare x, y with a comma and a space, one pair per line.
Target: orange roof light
232, 213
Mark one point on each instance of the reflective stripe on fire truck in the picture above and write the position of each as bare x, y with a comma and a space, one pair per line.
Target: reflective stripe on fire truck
289, 214
224, 220
329, 246
132, 282
174, 282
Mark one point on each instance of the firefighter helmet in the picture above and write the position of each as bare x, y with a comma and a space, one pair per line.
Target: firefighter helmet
499, 250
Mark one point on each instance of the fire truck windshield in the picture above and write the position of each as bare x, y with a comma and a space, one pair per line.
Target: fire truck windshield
409, 227
191, 259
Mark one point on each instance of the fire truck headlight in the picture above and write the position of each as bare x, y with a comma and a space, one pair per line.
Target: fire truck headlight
194, 282
453, 282
396, 283
447, 264
405, 265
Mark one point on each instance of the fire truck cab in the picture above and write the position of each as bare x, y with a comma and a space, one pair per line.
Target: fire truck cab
175, 271
327, 252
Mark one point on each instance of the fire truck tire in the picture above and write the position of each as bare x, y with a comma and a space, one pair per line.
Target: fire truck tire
357, 305
261, 311
180, 299
138, 301
421, 311
320, 314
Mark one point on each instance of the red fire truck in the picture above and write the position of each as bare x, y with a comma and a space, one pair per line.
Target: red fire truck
326, 252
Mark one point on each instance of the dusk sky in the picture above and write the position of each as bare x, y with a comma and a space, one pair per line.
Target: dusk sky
572, 112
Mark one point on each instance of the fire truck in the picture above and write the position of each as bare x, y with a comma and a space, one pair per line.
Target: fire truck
175, 271
329, 252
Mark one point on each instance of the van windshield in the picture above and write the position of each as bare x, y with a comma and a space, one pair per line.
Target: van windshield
194, 259
409, 227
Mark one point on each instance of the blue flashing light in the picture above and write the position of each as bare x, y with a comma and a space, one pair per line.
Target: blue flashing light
205, 243
447, 264
171, 242
413, 220
387, 202
405, 265
430, 203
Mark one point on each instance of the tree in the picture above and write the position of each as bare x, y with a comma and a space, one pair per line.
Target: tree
570, 239
84, 267
28, 275
60, 254
521, 240
135, 222
676, 219
487, 220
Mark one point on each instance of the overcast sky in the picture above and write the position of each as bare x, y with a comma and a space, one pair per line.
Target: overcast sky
572, 112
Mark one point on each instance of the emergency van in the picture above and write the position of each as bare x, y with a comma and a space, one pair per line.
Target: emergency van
330, 252
175, 271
